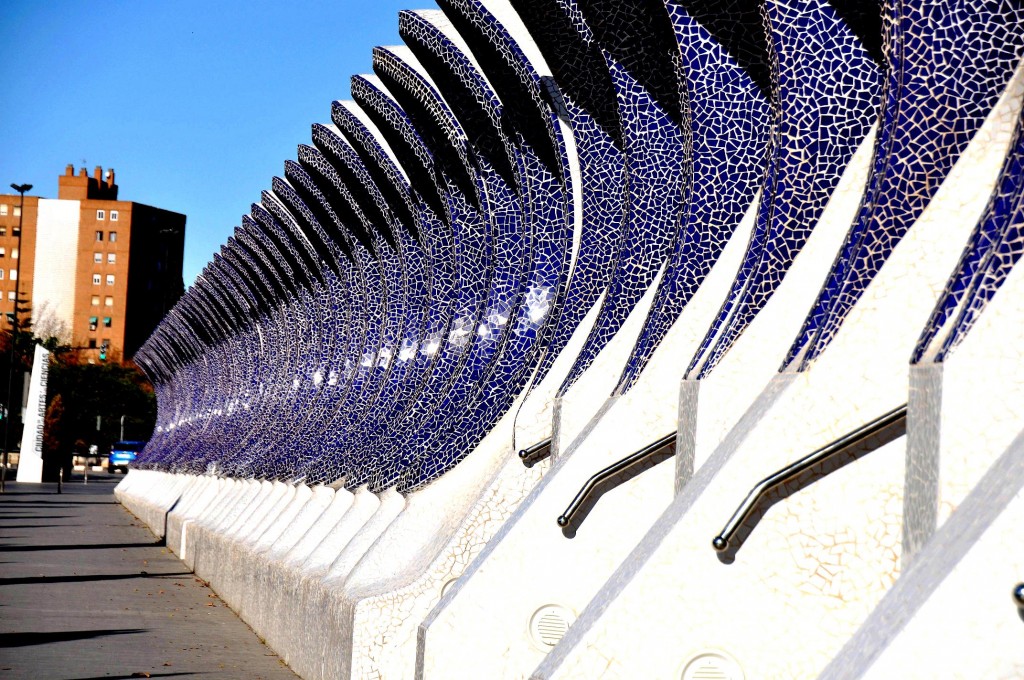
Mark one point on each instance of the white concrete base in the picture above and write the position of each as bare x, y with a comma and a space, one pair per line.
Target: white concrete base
951, 614
442, 528
810, 566
279, 583
150, 495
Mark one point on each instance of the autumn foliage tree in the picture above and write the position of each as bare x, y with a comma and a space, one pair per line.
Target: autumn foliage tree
79, 393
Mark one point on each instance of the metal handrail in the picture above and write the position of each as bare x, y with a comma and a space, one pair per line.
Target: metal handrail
536, 453
721, 541
615, 468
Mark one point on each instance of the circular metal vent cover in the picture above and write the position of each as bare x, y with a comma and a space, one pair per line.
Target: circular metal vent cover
549, 623
712, 666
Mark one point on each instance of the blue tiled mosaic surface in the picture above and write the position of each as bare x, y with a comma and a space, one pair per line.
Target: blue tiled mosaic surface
724, 76
427, 255
995, 246
933, 106
825, 92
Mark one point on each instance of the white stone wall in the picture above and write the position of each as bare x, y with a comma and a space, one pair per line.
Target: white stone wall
53, 285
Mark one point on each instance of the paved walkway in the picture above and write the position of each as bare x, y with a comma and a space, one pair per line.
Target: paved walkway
86, 593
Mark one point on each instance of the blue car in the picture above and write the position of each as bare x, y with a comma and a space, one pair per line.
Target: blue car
123, 453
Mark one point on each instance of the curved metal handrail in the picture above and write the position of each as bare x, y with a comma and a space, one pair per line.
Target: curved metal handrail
536, 453
615, 468
721, 541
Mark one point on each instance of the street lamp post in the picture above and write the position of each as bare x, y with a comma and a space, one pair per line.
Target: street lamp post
21, 189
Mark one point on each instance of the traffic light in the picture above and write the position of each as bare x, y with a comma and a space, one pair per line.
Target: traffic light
103, 350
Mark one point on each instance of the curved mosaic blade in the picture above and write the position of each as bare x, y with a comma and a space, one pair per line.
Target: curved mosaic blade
826, 88
643, 59
507, 336
344, 317
232, 447
583, 95
191, 454
385, 268
347, 175
218, 367
725, 83
321, 457
933, 107
530, 114
416, 160
380, 170
463, 190
995, 246
289, 251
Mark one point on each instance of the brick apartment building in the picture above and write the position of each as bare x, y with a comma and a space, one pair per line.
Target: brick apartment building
104, 270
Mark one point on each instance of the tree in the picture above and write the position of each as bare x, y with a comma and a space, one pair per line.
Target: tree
55, 455
47, 326
105, 390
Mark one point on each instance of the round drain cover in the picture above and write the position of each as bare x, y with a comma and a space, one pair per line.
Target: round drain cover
549, 623
712, 666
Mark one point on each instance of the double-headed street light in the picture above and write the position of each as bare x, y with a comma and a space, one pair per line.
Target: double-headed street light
21, 189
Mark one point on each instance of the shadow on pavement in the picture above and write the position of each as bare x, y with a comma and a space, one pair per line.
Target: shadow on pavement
30, 580
8, 640
136, 675
78, 546
18, 526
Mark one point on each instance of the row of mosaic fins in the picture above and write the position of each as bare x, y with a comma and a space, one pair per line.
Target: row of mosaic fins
424, 261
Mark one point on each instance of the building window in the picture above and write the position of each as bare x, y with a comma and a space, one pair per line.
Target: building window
14, 275
3, 252
109, 301
99, 235
113, 216
110, 279
97, 258
96, 279
92, 343
17, 211
100, 215
3, 231
111, 258
1, 274
3, 208
11, 295
106, 322
16, 231
113, 237
14, 253
92, 323
96, 300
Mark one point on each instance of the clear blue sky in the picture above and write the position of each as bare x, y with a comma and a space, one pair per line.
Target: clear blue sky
196, 105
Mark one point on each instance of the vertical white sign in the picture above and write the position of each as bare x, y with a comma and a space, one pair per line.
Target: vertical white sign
30, 464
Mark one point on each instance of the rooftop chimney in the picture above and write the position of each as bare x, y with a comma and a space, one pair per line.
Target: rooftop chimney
69, 171
98, 173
